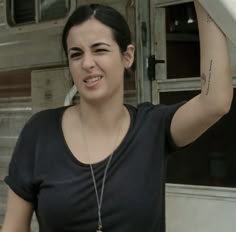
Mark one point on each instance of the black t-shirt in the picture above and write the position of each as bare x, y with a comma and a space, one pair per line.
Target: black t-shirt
45, 172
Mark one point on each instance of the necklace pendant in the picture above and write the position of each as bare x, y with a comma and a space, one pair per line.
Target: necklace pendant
99, 228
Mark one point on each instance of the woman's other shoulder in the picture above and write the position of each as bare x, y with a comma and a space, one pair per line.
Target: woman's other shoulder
43, 119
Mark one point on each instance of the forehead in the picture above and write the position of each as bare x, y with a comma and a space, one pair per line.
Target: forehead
89, 32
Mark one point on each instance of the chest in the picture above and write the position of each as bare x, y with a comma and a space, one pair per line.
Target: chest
90, 146
134, 188
133, 195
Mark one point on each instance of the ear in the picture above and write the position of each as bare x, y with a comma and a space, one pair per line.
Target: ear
128, 56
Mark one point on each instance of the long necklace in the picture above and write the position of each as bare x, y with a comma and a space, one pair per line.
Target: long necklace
99, 200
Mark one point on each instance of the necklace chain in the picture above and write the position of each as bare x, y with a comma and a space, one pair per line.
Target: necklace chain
99, 200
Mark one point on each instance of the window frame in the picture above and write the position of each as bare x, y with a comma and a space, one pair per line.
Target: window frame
37, 25
163, 84
158, 47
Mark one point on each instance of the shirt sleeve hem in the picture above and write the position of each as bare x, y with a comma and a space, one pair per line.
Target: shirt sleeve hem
16, 189
173, 147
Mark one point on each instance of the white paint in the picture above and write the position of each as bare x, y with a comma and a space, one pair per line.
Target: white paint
200, 209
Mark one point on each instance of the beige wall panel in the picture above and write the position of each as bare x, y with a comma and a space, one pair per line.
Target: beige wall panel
2, 13
39, 46
14, 112
200, 209
31, 49
49, 88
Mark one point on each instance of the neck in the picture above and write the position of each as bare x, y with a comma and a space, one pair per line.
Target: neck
102, 116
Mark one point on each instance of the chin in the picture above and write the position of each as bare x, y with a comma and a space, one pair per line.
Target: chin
102, 95
94, 98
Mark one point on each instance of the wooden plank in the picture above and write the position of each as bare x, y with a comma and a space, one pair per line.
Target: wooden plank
3, 188
3, 200
11, 126
3, 172
15, 83
49, 88
30, 49
11, 103
5, 157
161, 3
8, 142
159, 41
2, 13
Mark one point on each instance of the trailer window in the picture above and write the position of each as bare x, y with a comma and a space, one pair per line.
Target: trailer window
53, 9
182, 40
22, 12
210, 160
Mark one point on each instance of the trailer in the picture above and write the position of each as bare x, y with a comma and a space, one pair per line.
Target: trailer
201, 181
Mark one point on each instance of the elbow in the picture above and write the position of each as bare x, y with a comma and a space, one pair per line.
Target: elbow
223, 106
228, 106
218, 107
227, 102
218, 104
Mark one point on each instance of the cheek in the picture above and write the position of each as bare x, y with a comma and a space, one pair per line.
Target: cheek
74, 70
119, 70
117, 67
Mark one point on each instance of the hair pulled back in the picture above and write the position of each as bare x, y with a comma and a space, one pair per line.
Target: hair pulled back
106, 15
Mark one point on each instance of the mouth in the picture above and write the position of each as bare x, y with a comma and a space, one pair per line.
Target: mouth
92, 79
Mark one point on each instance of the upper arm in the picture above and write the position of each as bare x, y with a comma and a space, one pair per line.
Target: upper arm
197, 115
191, 120
18, 214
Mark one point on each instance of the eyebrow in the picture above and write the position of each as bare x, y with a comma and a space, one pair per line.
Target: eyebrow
92, 46
99, 44
74, 49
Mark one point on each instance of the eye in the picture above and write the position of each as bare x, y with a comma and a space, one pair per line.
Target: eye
101, 50
75, 55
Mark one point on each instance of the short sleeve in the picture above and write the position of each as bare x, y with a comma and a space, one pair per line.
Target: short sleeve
20, 176
169, 113
158, 119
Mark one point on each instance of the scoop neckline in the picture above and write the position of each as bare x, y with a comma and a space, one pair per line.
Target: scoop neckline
69, 154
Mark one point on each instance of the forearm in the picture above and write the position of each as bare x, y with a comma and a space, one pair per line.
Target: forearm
17, 229
216, 80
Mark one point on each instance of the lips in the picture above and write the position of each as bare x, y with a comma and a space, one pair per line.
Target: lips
92, 79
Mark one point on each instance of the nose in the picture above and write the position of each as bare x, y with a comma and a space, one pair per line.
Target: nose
88, 61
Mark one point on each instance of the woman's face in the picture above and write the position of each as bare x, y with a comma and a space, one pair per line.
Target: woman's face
96, 62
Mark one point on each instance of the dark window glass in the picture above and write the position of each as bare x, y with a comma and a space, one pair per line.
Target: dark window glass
27, 12
23, 11
53, 9
182, 41
211, 159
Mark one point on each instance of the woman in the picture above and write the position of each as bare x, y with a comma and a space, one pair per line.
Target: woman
100, 165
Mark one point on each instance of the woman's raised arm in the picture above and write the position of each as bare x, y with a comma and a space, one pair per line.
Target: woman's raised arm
197, 115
